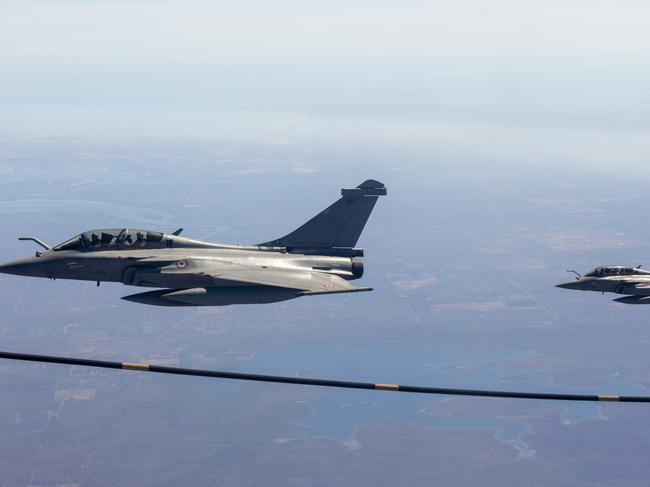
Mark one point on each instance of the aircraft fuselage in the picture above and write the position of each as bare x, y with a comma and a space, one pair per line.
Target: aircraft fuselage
319, 257
633, 282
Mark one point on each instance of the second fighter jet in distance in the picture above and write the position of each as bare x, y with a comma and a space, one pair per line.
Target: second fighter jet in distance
632, 282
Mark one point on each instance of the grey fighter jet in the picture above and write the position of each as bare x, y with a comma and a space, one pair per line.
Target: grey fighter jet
633, 282
319, 257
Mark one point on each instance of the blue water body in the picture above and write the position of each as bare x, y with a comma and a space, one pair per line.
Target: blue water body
337, 413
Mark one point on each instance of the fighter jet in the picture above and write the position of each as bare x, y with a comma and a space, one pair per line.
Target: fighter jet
634, 282
320, 257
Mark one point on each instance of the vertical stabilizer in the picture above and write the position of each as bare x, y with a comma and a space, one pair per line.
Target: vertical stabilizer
339, 225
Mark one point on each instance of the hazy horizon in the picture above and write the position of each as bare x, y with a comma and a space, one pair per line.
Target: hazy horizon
532, 82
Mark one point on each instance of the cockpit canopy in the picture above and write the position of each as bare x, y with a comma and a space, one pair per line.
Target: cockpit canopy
616, 270
114, 238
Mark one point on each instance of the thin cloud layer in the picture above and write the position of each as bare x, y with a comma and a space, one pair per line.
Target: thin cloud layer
560, 75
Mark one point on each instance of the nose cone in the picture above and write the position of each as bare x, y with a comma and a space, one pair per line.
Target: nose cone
28, 266
574, 284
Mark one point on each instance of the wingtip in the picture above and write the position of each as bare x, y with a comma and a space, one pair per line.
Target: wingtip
363, 289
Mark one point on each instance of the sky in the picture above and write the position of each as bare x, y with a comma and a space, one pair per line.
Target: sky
565, 82
424, 88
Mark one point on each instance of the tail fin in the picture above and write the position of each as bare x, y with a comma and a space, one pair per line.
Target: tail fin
338, 225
